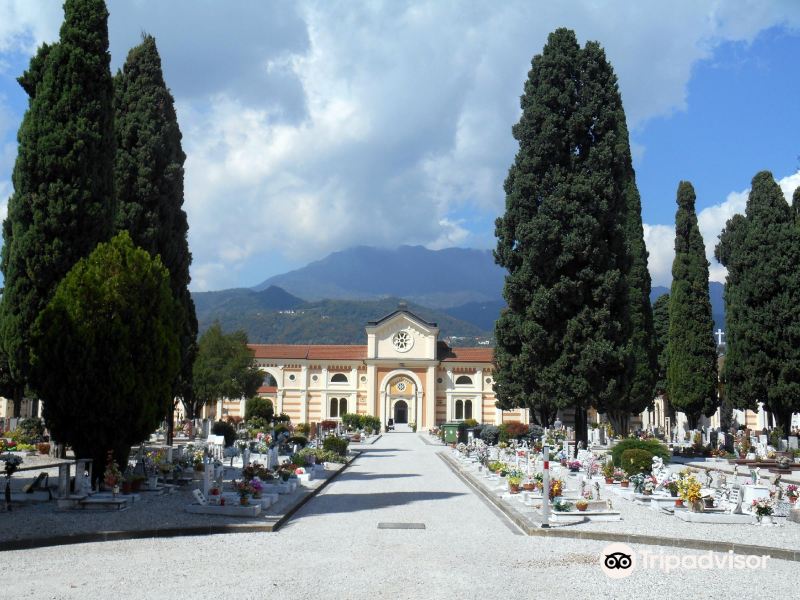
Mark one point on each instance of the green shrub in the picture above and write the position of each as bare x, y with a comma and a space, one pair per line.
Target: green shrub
490, 434
371, 422
654, 447
303, 429
353, 421
258, 407
226, 430
336, 445
636, 460
516, 430
29, 431
300, 440
470, 423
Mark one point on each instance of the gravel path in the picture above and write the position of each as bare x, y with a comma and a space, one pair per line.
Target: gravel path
333, 548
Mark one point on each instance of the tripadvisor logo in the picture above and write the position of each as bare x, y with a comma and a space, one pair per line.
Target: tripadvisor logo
619, 560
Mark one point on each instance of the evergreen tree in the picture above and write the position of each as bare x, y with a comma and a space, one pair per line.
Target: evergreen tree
62, 204
105, 351
563, 341
661, 330
224, 368
761, 251
149, 183
692, 367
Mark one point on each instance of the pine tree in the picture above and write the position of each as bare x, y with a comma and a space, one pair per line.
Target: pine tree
692, 367
761, 251
562, 342
62, 204
149, 181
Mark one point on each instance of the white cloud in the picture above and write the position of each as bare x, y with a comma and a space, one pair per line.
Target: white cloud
314, 126
660, 239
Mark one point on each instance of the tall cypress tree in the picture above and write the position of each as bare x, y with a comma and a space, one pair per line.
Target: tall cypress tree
562, 342
149, 180
761, 251
692, 368
661, 330
62, 204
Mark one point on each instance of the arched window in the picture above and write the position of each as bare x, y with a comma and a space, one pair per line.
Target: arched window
464, 380
339, 378
334, 408
468, 409
269, 381
459, 409
342, 406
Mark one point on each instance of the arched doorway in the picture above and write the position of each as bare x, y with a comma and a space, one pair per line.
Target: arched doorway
401, 412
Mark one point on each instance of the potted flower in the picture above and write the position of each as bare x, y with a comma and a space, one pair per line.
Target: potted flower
671, 486
689, 490
791, 493
582, 504
608, 472
620, 476
763, 509
528, 485
245, 490
514, 483
574, 465
257, 487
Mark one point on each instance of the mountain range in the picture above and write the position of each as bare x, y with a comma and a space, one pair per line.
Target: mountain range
330, 301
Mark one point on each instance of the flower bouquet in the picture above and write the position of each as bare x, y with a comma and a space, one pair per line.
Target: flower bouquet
112, 475
574, 465
556, 488
257, 487
763, 507
689, 491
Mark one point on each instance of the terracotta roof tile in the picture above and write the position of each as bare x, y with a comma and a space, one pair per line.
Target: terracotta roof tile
482, 355
304, 351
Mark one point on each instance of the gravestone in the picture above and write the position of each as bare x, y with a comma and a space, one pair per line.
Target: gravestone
206, 429
762, 439
200, 497
783, 445
208, 475
792, 442
602, 435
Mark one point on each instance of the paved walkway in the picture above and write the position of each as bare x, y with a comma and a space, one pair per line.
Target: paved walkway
334, 549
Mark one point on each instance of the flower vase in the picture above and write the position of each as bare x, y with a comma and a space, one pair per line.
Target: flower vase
115, 491
513, 489
624, 484
766, 519
243, 501
678, 503
696, 506
792, 499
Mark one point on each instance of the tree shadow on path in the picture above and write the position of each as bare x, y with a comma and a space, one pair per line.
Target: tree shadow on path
346, 503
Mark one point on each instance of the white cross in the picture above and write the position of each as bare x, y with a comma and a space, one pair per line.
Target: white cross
719, 333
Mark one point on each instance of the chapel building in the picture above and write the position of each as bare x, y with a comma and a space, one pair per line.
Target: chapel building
403, 373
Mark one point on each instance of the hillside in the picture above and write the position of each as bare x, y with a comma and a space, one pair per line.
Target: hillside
436, 278
715, 292
274, 316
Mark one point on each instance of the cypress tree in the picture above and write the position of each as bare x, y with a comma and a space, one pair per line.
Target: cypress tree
105, 352
562, 342
62, 204
661, 330
692, 368
149, 180
761, 251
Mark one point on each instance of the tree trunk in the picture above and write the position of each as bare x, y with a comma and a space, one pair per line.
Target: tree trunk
18, 393
784, 421
619, 420
171, 423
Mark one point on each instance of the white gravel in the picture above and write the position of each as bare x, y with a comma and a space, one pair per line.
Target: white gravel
333, 549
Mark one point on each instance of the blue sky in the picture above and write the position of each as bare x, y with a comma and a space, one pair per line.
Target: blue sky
313, 126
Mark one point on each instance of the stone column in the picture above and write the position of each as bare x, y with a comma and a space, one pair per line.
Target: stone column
429, 398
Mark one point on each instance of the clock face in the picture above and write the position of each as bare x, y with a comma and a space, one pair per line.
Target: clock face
401, 387
402, 341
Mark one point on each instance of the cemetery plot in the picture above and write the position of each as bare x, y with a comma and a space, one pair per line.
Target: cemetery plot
591, 493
